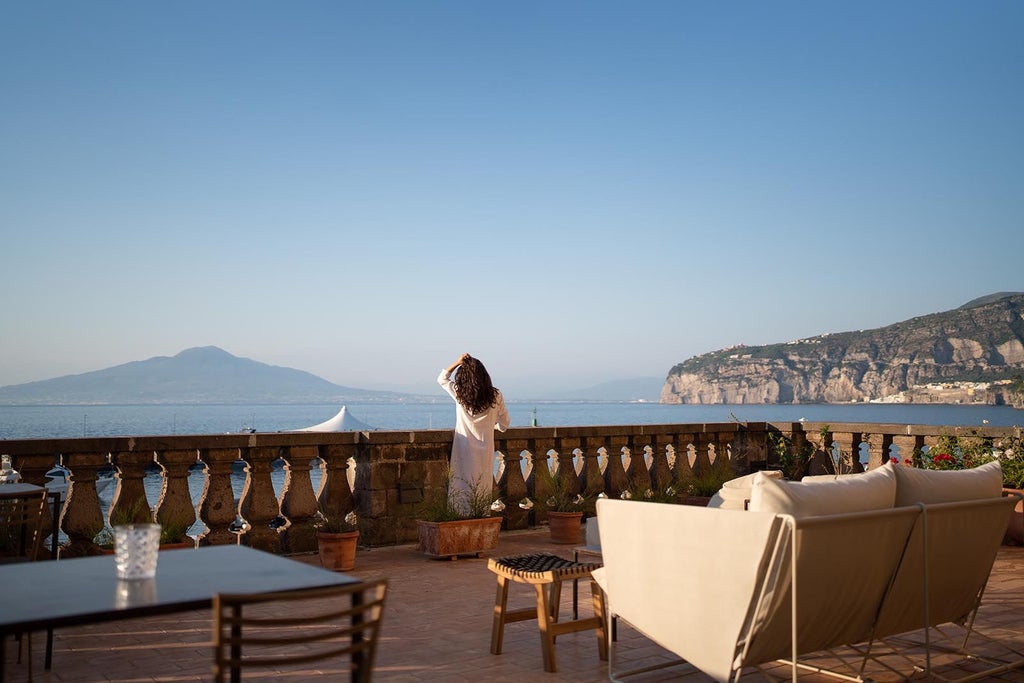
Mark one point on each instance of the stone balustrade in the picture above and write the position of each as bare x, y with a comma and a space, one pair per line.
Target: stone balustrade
394, 472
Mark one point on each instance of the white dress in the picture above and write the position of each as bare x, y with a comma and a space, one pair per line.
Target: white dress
473, 446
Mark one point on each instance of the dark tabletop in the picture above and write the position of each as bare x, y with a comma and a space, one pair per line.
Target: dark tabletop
35, 595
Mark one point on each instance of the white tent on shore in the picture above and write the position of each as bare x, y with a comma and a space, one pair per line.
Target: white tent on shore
342, 422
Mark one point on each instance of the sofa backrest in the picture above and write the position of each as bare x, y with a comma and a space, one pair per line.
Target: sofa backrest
953, 547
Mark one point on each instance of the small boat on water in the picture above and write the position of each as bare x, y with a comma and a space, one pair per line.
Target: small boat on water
57, 481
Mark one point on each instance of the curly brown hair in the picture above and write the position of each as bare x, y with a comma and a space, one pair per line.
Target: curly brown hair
473, 388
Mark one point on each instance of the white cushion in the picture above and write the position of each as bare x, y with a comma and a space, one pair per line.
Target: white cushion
735, 493
874, 490
915, 485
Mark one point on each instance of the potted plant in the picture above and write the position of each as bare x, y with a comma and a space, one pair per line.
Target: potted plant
336, 538
136, 512
173, 536
697, 488
1010, 453
563, 505
450, 525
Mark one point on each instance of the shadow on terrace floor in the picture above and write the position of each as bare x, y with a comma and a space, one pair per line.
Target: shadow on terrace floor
437, 628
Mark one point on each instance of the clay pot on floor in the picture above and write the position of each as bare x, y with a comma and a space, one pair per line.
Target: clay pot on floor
565, 526
337, 550
459, 537
1015, 530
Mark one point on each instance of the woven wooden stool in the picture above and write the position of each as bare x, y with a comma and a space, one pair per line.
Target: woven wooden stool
546, 573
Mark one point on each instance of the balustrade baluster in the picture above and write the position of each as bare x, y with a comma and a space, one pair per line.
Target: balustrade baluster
217, 507
538, 485
82, 519
723, 442
335, 493
849, 450
879, 450
661, 473
175, 510
636, 473
592, 481
910, 449
821, 460
129, 502
512, 484
682, 468
259, 505
702, 455
568, 477
298, 502
615, 478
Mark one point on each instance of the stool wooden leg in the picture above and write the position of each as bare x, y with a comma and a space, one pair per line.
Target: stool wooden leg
599, 611
544, 623
498, 625
556, 599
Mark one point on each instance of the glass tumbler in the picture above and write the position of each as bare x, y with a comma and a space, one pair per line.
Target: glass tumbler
136, 547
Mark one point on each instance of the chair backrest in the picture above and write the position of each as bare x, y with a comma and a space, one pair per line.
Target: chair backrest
288, 629
21, 518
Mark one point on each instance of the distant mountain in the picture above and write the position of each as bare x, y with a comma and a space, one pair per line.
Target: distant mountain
917, 360
198, 375
638, 389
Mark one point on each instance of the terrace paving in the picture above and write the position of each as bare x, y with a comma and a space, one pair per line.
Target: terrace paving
437, 628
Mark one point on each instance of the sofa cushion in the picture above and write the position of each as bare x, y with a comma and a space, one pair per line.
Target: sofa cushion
915, 485
735, 493
874, 490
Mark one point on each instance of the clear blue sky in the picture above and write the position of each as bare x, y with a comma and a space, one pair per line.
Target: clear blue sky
575, 192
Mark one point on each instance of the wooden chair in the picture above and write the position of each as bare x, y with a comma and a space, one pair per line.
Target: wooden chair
295, 627
21, 518
21, 535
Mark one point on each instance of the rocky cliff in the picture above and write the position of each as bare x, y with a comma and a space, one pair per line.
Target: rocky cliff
980, 343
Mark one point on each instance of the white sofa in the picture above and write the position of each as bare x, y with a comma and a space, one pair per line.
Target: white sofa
810, 566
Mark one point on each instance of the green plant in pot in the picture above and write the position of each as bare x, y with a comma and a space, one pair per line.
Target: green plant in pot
1010, 454
337, 534
136, 512
563, 504
651, 494
697, 488
454, 521
451, 504
174, 533
794, 462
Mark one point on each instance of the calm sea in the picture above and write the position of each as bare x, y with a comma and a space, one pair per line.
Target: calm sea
31, 422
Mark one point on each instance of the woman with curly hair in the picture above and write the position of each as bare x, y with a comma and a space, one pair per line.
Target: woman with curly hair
479, 410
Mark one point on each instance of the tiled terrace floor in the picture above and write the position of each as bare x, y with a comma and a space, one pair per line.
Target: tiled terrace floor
437, 628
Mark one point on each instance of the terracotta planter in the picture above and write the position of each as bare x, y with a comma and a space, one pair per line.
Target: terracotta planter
565, 526
1015, 530
337, 550
181, 545
461, 537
